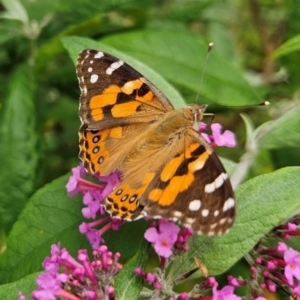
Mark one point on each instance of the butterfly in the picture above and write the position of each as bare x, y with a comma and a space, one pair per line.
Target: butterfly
167, 168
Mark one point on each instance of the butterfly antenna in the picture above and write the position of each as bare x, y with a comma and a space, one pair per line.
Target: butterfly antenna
210, 45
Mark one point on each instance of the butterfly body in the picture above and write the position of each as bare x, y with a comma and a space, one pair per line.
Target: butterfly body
167, 168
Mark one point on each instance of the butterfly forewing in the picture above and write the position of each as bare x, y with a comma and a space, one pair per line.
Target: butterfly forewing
113, 93
168, 170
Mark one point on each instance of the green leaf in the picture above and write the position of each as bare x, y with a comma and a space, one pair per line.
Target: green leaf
25, 285
129, 243
229, 165
179, 57
249, 131
288, 47
262, 203
18, 141
48, 218
98, 24
76, 44
283, 132
15, 11
51, 217
127, 284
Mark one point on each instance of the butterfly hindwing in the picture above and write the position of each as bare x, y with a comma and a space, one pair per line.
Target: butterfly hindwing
191, 187
201, 183
100, 149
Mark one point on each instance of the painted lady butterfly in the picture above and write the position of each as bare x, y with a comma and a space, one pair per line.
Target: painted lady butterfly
167, 168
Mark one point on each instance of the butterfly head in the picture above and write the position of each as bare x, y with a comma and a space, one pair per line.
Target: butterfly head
197, 111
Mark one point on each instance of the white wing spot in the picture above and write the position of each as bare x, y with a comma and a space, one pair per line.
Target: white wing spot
119, 192
222, 221
94, 78
90, 69
96, 150
190, 220
114, 66
91, 61
177, 214
99, 54
211, 187
124, 197
195, 205
229, 220
216, 213
212, 226
205, 212
229, 203
132, 198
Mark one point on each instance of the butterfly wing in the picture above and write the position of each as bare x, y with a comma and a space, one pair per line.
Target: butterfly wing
114, 94
116, 104
168, 169
197, 192
190, 186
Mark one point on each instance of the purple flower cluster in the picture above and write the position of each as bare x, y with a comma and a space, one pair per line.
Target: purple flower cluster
80, 279
278, 266
93, 195
272, 268
163, 237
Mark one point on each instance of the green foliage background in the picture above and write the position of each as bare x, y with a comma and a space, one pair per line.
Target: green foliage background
255, 59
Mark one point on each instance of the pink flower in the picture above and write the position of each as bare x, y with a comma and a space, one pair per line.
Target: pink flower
49, 286
150, 277
163, 238
91, 234
227, 138
292, 227
95, 276
92, 200
297, 290
111, 181
226, 293
292, 268
73, 186
93, 195
21, 296
183, 296
282, 247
